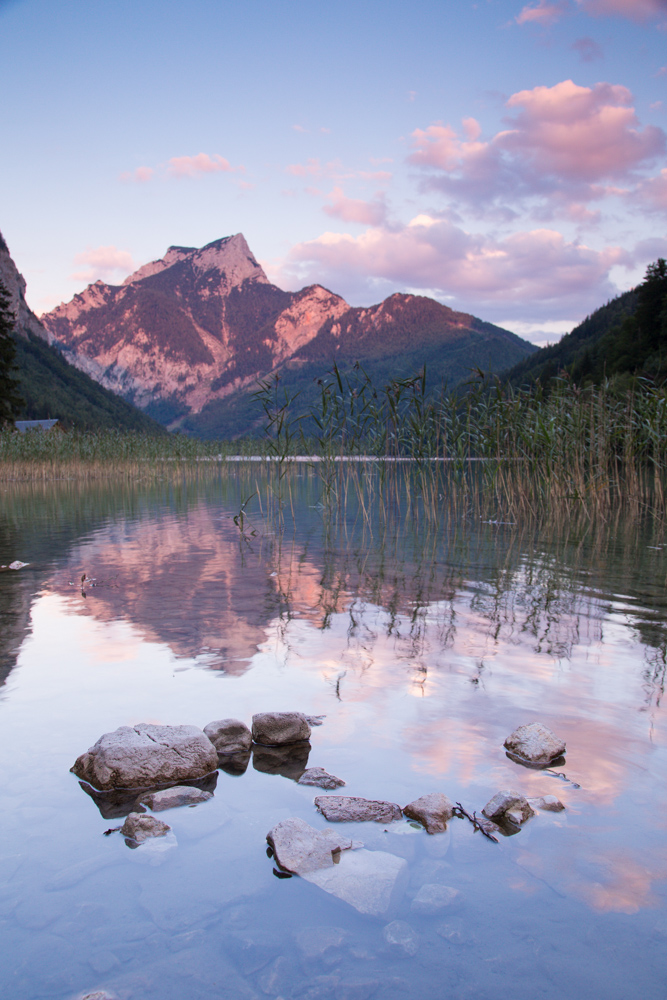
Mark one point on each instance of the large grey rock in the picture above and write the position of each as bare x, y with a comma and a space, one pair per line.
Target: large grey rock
508, 806
433, 811
140, 827
171, 798
229, 736
401, 936
300, 848
370, 881
278, 728
348, 809
143, 756
432, 898
549, 803
535, 744
320, 778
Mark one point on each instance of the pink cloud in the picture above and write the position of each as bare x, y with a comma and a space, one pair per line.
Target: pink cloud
370, 213
103, 262
564, 140
140, 176
653, 192
636, 10
313, 168
202, 163
542, 12
538, 273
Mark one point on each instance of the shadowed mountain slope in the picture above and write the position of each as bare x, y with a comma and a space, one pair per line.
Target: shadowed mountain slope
48, 384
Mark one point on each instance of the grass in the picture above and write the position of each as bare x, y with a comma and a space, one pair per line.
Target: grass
102, 454
514, 450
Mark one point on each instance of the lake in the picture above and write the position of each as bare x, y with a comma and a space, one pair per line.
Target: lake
424, 637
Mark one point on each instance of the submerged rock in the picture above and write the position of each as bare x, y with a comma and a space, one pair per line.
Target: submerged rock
321, 778
535, 744
229, 736
299, 848
172, 798
348, 809
120, 801
290, 761
370, 881
140, 827
278, 728
313, 942
400, 935
432, 811
549, 803
145, 755
432, 898
508, 807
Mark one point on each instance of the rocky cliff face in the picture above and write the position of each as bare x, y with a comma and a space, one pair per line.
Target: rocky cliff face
201, 324
189, 328
14, 282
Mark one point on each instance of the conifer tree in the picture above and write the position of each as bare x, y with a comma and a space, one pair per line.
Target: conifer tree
10, 399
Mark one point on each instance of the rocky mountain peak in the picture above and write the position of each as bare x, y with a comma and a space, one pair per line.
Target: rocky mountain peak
230, 257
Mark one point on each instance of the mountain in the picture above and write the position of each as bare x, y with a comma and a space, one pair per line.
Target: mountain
625, 338
574, 347
186, 337
49, 385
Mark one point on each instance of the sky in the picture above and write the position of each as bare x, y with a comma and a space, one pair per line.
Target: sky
507, 159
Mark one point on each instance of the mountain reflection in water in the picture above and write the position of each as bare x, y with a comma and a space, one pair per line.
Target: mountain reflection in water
424, 641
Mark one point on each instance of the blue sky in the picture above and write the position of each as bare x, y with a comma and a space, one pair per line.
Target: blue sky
508, 159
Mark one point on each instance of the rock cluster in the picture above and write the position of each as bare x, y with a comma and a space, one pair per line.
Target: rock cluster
229, 736
348, 809
139, 827
534, 744
432, 811
144, 756
279, 728
508, 807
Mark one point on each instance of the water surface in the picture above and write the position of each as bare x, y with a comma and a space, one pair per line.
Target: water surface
424, 642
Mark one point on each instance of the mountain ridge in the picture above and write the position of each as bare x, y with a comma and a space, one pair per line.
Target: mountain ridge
202, 324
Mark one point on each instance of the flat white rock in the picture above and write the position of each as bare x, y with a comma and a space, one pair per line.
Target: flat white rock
370, 881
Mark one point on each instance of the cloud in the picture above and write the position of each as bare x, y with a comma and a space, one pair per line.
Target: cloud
588, 49
636, 10
536, 273
652, 193
313, 168
334, 170
139, 176
564, 141
542, 12
103, 262
370, 213
202, 163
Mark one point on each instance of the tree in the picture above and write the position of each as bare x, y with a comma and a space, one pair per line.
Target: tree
10, 399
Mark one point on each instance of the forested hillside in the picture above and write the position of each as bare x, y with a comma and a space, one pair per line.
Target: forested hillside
626, 337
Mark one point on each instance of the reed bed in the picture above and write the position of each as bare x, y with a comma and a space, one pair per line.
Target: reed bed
520, 448
99, 455
507, 450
